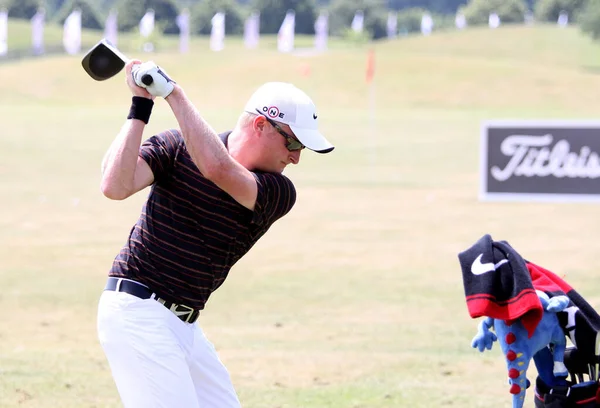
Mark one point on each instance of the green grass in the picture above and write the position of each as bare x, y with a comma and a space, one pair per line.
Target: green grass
362, 305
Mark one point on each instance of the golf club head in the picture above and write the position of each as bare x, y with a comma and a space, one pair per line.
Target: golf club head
103, 61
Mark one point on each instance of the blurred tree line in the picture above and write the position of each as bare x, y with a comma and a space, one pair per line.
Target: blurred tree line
586, 13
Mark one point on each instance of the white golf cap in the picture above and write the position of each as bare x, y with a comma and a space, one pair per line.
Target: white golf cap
284, 103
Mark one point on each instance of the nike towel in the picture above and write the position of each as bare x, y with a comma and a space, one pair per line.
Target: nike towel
497, 283
579, 321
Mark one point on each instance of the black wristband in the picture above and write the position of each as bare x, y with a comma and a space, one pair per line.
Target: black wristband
141, 108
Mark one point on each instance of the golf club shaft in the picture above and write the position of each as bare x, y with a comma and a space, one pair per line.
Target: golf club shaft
146, 79
597, 356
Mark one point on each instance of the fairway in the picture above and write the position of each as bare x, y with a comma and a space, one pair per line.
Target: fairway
353, 300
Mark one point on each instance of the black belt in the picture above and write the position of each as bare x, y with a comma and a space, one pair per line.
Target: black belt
183, 312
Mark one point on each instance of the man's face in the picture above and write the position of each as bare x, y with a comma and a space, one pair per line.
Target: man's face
276, 155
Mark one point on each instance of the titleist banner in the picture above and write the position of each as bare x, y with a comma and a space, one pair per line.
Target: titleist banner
541, 160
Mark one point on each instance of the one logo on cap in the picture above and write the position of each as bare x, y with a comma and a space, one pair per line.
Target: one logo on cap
314, 116
273, 112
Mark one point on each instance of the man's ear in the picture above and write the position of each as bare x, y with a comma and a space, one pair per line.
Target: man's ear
259, 123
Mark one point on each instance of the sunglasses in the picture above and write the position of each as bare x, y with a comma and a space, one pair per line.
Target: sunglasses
292, 144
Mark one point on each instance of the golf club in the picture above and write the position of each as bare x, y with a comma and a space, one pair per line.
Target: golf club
597, 356
104, 61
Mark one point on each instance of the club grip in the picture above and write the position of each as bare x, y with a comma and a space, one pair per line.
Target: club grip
147, 79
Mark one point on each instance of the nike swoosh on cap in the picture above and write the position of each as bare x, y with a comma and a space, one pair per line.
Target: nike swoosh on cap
478, 268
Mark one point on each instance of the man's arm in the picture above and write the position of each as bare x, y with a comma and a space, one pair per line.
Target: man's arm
209, 154
123, 172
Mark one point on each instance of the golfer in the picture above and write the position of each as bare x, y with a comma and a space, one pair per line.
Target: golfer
211, 198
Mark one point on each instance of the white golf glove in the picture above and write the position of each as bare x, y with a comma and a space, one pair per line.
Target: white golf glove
160, 85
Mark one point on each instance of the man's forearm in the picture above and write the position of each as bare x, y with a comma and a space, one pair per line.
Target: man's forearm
119, 163
202, 142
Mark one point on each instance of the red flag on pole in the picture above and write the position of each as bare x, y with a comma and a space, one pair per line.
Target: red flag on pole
370, 66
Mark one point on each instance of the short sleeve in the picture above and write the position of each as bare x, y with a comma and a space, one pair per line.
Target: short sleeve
275, 198
160, 151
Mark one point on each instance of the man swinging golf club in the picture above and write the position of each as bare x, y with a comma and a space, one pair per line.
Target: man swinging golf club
212, 197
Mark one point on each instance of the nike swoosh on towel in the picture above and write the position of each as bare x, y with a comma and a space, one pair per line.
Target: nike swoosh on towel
478, 268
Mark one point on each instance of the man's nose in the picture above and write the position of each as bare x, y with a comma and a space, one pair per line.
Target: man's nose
294, 156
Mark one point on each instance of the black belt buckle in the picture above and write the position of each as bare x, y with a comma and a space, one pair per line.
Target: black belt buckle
183, 312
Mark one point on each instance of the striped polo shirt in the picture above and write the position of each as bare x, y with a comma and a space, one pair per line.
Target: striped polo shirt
190, 232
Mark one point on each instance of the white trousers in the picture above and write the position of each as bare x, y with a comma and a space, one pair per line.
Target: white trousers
157, 360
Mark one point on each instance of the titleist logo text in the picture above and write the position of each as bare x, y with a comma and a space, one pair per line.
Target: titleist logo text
532, 156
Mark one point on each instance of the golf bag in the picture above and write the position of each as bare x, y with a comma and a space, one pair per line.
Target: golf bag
580, 392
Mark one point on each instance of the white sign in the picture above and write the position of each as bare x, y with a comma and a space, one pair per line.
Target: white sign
321, 31
358, 22
3, 32
494, 20
72, 33
217, 32
285, 37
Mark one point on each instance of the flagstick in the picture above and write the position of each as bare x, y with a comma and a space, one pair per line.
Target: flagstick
372, 102
372, 127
